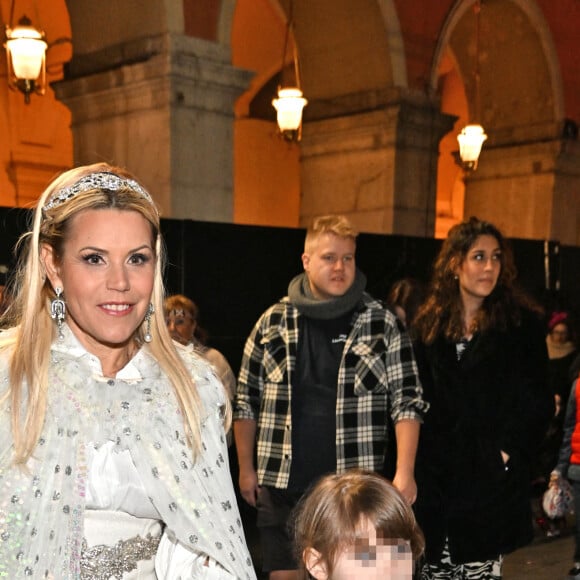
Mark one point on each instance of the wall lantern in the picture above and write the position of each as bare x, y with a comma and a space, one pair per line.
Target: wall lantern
26, 54
290, 101
472, 136
470, 141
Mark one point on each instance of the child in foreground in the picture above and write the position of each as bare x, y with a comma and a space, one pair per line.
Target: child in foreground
356, 525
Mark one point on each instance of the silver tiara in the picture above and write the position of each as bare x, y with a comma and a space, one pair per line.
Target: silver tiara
103, 180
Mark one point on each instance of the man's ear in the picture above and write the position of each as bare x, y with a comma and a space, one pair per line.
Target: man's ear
51, 266
305, 261
315, 564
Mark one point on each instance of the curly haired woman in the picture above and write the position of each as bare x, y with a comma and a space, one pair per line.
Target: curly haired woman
482, 360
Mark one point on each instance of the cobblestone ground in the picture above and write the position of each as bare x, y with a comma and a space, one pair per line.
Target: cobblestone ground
548, 560
544, 559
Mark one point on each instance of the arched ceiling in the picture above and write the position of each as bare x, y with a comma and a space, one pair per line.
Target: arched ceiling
118, 32
115, 22
343, 48
518, 82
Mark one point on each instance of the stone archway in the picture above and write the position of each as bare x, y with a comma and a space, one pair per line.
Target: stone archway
521, 103
348, 161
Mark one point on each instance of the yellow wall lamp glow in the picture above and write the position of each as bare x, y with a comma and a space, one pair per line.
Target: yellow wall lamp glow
26, 54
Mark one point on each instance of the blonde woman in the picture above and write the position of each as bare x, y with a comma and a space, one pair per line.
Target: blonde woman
115, 462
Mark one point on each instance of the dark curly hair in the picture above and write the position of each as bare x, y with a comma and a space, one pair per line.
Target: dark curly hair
442, 311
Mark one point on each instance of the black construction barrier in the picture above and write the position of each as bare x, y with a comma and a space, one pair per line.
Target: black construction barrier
234, 272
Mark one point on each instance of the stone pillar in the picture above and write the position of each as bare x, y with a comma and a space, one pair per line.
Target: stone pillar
167, 116
565, 223
379, 168
529, 190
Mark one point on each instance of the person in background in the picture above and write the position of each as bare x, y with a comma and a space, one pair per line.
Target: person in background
182, 319
405, 297
356, 525
561, 353
323, 372
568, 465
113, 460
482, 360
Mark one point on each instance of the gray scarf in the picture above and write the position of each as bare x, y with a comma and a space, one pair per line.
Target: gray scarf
301, 296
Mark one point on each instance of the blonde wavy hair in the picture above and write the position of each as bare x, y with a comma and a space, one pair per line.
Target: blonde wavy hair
30, 311
338, 225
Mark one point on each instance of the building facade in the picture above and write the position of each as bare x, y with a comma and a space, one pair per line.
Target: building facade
179, 92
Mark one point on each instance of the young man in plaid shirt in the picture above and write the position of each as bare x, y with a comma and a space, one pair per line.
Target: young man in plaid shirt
323, 372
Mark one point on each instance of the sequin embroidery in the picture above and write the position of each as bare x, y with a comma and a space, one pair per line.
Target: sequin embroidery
103, 562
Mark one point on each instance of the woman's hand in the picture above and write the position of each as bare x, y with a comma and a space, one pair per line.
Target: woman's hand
554, 479
404, 481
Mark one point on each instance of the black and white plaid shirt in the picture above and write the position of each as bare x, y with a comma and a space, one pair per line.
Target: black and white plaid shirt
377, 376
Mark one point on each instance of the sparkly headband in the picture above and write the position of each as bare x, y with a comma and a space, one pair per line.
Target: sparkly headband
180, 312
104, 180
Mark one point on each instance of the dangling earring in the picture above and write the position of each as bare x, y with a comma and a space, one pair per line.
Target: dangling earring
147, 336
58, 310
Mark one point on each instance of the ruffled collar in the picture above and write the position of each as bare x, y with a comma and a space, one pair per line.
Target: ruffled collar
70, 346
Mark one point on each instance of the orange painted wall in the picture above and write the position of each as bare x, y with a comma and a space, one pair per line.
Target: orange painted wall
267, 186
36, 140
421, 24
266, 168
201, 17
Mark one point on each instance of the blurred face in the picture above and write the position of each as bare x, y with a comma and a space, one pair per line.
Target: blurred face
480, 269
181, 326
559, 333
106, 273
371, 558
330, 266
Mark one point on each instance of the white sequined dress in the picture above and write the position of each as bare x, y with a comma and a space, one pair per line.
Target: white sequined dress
111, 490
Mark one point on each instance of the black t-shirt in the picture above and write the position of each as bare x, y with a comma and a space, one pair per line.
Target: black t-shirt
320, 347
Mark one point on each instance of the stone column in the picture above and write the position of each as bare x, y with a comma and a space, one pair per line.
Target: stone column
378, 167
166, 114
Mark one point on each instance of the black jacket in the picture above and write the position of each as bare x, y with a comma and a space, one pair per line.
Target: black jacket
495, 398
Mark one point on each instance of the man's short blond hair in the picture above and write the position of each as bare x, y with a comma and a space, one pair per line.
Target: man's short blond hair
338, 225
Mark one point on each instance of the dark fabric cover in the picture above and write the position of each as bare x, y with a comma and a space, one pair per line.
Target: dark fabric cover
495, 398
